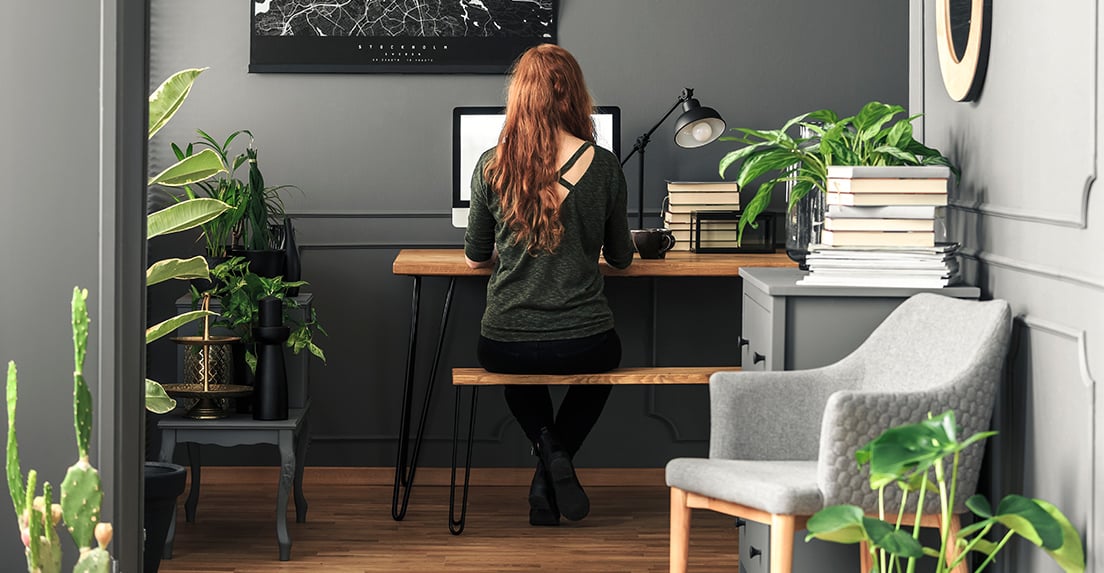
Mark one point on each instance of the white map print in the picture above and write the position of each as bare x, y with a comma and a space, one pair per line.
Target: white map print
404, 18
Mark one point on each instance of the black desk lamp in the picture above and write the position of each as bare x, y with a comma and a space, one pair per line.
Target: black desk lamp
697, 126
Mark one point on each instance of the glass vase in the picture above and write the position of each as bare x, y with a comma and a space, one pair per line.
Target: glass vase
804, 222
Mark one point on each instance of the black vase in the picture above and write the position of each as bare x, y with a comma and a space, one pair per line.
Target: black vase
270, 389
164, 483
294, 271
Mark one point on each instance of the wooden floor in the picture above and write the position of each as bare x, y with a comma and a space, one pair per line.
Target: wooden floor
349, 528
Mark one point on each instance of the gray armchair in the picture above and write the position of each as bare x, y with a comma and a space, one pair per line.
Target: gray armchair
782, 444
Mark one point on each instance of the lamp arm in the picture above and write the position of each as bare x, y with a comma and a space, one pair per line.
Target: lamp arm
643, 140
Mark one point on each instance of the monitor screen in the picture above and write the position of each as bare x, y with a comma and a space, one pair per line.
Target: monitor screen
476, 129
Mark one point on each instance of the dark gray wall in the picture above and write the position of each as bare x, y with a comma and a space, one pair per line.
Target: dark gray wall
372, 156
1029, 219
70, 214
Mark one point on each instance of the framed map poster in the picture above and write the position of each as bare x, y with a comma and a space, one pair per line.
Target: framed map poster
396, 36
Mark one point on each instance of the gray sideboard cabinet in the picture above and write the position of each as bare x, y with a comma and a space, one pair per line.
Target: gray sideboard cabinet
791, 327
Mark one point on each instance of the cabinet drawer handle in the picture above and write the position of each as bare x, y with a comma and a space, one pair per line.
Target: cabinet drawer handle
753, 552
742, 341
740, 522
758, 358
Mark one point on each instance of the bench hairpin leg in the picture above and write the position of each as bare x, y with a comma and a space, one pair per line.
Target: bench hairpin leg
407, 480
456, 526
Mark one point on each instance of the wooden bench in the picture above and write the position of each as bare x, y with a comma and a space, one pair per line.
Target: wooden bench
475, 377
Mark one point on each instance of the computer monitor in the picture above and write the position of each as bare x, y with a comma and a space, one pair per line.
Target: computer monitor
475, 129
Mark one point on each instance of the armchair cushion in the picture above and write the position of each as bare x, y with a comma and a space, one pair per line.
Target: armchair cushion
780, 487
772, 415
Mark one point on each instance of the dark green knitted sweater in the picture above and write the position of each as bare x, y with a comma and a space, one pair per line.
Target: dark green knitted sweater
559, 295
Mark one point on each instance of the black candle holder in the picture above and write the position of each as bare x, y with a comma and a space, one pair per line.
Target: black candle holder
270, 390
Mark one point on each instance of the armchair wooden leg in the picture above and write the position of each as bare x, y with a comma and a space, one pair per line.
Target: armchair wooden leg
952, 545
866, 564
680, 531
782, 529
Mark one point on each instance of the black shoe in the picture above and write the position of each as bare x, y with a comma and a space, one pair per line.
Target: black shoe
570, 498
542, 500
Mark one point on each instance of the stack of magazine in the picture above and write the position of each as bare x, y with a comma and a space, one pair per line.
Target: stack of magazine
905, 267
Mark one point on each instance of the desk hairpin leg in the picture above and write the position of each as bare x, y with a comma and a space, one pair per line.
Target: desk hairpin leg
404, 475
456, 526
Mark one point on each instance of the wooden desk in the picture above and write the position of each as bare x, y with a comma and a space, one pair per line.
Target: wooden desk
450, 263
419, 263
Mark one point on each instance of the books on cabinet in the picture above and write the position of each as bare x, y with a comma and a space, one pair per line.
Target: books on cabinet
879, 229
911, 267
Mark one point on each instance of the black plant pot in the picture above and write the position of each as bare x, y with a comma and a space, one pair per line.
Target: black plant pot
164, 483
269, 263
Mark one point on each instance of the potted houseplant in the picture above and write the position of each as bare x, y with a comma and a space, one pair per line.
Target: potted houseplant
905, 458
879, 135
240, 291
81, 492
254, 225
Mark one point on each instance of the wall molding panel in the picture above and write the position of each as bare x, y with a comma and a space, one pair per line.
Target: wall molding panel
921, 39
1078, 337
1045, 271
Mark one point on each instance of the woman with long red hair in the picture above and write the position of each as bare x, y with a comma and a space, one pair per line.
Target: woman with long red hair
545, 203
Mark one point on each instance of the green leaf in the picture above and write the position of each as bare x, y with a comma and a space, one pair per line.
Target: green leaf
168, 97
894, 541
157, 401
763, 162
900, 133
1070, 556
825, 116
11, 468
903, 156
166, 327
184, 215
167, 269
754, 208
980, 506
838, 524
738, 155
875, 113
190, 170
976, 526
984, 546
1028, 519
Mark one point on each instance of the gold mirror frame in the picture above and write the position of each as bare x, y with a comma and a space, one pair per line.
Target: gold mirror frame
962, 77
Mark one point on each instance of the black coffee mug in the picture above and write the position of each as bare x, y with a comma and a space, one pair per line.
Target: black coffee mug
653, 243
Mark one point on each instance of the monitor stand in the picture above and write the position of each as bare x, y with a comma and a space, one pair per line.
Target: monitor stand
460, 217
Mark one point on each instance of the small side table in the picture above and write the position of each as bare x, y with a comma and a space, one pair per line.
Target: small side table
291, 436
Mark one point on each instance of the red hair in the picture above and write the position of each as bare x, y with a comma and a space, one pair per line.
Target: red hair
547, 94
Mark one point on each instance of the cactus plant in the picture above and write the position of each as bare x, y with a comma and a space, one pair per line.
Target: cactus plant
81, 493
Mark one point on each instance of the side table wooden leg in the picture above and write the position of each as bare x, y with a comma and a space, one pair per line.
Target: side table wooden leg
168, 445
302, 441
287, 476
192, 502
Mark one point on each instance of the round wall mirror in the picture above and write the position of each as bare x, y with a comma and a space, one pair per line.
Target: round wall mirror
962, 39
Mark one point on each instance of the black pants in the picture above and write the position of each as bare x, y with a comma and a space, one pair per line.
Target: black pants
531, 405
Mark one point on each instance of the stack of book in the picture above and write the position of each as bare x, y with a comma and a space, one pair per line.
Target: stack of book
867, 208
879, 229
684, 198
910, 267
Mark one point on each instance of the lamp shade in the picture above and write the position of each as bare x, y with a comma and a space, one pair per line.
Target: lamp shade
697, 126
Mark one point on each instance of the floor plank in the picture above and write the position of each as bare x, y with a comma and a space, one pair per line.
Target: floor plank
349, 529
